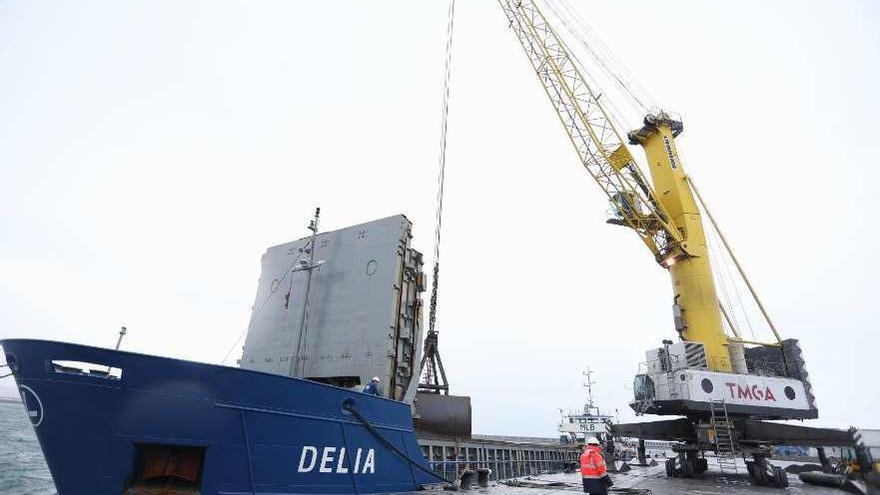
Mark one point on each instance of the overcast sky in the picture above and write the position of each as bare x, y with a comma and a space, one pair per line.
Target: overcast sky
151, 151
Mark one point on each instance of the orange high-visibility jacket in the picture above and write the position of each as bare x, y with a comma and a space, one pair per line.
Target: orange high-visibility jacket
592, 462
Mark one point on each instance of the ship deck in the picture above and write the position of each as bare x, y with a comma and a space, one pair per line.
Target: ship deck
653, 480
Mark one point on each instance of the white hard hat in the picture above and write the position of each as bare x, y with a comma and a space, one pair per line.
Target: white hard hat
593, 441
375, 378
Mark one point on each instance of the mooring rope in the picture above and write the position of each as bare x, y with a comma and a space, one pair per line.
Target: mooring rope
357, 415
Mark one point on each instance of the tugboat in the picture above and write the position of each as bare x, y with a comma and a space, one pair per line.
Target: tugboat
576, 427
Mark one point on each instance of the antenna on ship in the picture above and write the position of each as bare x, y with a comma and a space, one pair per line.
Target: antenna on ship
122, 331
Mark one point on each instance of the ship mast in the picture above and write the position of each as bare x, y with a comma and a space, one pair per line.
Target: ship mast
298, 368
589, 386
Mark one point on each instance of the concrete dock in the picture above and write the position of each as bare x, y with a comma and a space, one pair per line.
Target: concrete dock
653, 480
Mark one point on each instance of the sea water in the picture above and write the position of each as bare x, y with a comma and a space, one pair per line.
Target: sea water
23, 470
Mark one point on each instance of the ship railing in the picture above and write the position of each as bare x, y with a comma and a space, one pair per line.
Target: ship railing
668, 364
505, 461
647, 388
672, 364
499, 469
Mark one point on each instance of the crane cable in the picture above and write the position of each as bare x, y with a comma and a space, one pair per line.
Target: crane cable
441, 176
441, 180
611, 109
726, 282
733, 282
607, 61
720, 282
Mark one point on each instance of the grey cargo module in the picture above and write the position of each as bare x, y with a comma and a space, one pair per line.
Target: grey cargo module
363, 315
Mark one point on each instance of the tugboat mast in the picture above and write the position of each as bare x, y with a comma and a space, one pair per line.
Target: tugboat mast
589, 406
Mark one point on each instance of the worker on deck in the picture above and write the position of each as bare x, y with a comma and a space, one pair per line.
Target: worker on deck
373, 387
593, 470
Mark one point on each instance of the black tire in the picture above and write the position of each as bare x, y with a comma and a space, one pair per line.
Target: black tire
762, 478
780, 478
701, 465
670, 468
750, 467
688, 468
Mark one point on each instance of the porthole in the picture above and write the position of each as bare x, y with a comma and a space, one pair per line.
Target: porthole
707, 386
789, 392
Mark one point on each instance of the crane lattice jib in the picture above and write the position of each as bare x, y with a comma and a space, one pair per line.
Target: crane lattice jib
598, 143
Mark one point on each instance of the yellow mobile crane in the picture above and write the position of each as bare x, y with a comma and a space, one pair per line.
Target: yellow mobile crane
707, 376
668, 223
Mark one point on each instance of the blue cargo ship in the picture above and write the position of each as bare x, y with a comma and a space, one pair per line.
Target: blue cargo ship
332, 311
110, 422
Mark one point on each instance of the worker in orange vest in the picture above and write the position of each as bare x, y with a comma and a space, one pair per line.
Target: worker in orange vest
593, 469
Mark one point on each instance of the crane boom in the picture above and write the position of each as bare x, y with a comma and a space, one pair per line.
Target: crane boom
598, 143
668, 224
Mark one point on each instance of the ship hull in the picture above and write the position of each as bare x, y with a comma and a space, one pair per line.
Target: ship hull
214, 429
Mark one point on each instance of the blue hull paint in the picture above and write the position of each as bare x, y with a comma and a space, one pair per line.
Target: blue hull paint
253, 426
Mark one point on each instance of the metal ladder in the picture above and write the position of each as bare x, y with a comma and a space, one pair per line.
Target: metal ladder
725, 451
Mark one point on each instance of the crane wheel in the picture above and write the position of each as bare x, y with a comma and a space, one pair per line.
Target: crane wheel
688, 468
780, 478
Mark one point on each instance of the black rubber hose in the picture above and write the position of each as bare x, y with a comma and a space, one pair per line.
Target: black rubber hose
348, 406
